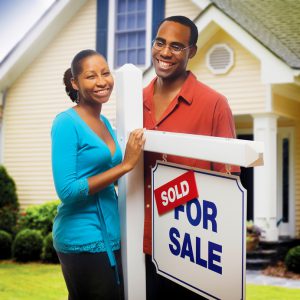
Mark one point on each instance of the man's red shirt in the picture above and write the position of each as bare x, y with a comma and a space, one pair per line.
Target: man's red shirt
197, 109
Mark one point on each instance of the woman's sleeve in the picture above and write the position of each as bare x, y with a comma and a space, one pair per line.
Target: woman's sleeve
64, 161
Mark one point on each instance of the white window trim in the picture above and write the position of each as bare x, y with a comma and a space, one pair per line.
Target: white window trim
111, 35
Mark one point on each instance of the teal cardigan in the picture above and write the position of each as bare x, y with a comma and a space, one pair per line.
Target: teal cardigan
84, 223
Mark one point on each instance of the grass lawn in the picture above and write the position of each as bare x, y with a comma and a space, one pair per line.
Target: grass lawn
259, 292
34, 281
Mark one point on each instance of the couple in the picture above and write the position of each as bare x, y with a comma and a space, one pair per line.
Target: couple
87, 160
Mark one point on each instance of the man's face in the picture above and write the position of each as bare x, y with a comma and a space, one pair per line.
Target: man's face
167, 63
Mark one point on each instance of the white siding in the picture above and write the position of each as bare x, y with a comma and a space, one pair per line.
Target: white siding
241, 85
32, 103
182, 7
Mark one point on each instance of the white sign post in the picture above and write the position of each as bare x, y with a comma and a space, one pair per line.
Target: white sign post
201, 244
131, 191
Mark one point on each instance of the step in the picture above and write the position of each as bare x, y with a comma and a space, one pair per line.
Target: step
257, 264
262, 253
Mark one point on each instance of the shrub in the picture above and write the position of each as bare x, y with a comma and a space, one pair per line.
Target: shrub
27, 245
5, 244
39, 217
8, 218
9, 205
292, 259
49, 253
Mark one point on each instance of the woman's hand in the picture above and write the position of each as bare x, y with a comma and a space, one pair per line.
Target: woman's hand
134, 147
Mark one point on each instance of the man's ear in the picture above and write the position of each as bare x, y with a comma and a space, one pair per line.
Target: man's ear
193, 51
74, 84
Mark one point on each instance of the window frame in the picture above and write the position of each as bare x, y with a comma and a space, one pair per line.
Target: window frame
111, 51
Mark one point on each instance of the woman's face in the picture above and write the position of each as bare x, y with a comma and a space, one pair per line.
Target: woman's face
95, 82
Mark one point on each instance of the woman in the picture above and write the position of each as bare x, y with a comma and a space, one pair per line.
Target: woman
86, 161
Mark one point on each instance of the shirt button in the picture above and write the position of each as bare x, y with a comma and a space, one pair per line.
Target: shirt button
149, 186
148, 205
156, 127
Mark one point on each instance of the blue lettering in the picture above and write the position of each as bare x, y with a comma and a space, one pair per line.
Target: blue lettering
187, 249
207, 205
196, 221
214, 257
199, 261
177, 210
174, 234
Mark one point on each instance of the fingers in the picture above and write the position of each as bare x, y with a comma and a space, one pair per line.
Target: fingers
137, 137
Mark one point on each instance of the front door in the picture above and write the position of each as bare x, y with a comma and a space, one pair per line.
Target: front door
285, 196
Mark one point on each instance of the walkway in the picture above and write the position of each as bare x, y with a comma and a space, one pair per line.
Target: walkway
256, 277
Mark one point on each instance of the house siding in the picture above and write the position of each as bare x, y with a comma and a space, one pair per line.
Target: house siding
241, 84
32, 103
297, 178
182, 7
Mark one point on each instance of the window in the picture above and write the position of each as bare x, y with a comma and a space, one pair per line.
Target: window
125, 33
130, 32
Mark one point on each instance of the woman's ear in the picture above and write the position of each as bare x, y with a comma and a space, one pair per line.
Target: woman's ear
74, 84
193, 51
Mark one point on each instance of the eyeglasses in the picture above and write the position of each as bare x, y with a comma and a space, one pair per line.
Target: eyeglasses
174, 48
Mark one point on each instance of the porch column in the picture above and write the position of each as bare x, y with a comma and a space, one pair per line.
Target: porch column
265, 177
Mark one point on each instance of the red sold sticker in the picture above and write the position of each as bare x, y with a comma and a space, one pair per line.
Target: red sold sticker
176, 192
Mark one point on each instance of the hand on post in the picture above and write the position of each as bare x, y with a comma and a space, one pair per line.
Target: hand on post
134, 148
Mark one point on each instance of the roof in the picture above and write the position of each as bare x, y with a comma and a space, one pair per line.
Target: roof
274, 23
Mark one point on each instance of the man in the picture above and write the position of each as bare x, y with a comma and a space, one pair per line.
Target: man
176, 102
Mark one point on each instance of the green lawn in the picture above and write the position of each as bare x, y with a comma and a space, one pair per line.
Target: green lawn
34, 281
258, 292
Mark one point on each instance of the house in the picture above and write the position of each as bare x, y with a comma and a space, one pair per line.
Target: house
247, 50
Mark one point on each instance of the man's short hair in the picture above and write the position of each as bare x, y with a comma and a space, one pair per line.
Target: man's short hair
186, 22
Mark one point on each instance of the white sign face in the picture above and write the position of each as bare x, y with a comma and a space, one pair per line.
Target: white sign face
201, 244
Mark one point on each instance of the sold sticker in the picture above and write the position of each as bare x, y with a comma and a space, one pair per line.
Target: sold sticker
176, 192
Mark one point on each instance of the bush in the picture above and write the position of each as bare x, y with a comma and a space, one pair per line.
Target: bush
5, 244
39, 217
27, 245
292, 259
8, 218
49, 253
9, 205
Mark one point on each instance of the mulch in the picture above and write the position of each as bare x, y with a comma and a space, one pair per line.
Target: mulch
280, 270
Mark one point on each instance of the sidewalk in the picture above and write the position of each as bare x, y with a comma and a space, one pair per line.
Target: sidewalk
256, 277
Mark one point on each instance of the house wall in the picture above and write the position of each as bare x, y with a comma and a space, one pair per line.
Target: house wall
241, 84
297, 177
182, 7
32, 103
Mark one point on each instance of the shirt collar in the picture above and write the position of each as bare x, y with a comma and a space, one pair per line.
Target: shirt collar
186, 93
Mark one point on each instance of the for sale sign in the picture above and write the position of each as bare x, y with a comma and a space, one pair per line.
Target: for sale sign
199, 230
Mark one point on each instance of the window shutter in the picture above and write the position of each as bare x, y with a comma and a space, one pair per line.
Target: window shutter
102, 27
158, 14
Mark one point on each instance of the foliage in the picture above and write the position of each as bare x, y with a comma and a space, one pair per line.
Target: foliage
8, 218
9, 205
5, 244
27, 245
39, 217
8, 195
253, 231
49, 253
31, 281
292, 259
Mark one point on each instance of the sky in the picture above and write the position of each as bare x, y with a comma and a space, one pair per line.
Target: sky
16, 18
